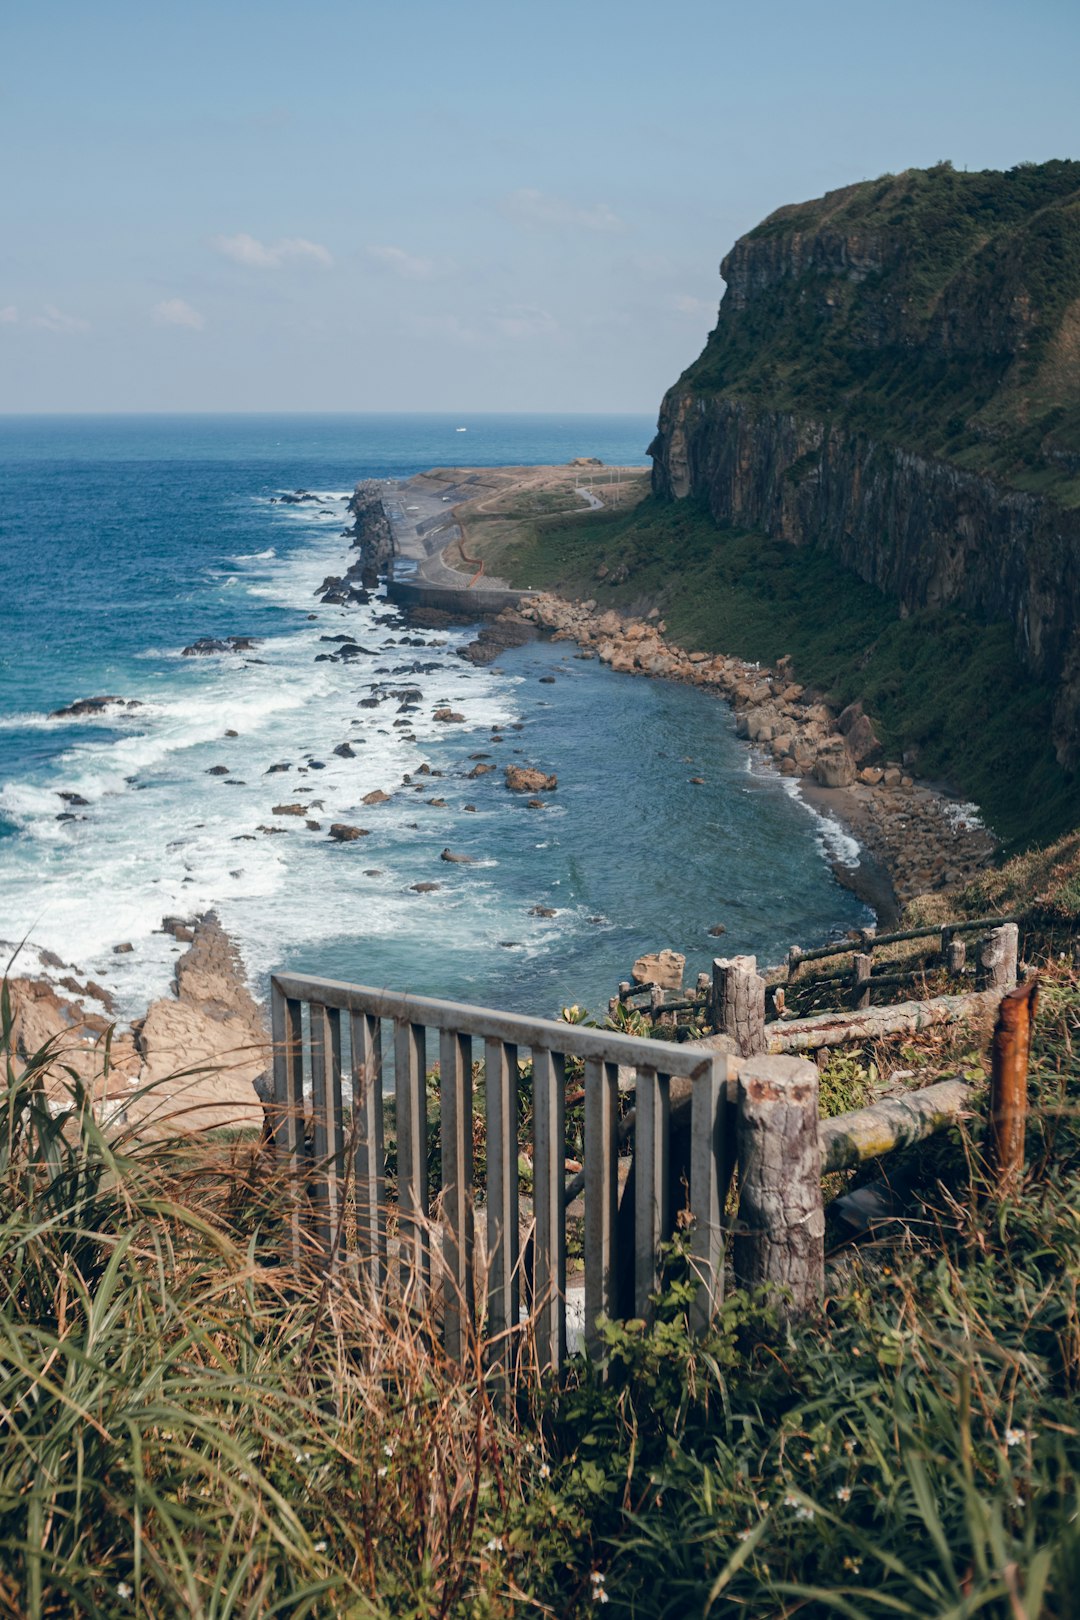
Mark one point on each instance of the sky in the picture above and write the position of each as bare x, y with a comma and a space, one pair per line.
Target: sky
451, 205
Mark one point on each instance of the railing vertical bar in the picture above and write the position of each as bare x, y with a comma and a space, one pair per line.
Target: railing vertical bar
601, 1192
708, 1187
323, 1181
549, 1241
410, 1115
289, 1102
651, 1174
455, 1091
500, 1094
370, 1180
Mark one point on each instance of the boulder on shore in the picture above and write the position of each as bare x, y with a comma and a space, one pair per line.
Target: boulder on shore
343, 833
93, 705
664, 968
524, 779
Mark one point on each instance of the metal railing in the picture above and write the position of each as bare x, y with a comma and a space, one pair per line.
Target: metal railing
329, 1071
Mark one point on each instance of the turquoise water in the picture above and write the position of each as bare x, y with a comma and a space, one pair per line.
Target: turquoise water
123, 540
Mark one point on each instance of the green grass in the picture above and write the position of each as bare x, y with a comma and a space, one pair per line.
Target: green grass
189, 1428
941, 682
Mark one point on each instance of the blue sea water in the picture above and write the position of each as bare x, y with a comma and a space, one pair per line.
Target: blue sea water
124, 539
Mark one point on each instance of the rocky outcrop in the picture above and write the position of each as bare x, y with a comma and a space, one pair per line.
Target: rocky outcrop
892, 378
524, 779
372, 535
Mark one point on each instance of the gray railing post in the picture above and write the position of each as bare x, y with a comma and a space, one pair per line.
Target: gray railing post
370, 1172
549, 1241
455, 1102
997, 959
410, 1120
500, 1092
288, 1037
862, 965
652, 1160
708, 1186
327, 1138
780, 1239
601, 1191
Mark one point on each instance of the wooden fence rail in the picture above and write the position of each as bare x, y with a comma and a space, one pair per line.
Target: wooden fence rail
329, 1128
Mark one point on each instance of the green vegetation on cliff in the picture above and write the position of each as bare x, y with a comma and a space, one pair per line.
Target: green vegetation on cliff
934, 309
940, 682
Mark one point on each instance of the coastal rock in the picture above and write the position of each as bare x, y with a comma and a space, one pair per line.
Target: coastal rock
289, 810
663, 968
834, 766
343, 833
458, 860
345, 751
376, 796
219, 644
425, 888
524, 779
448, 716
82, 707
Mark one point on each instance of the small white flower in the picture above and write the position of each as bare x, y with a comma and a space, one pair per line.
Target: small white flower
843, 1493
1016, 1437
303, 1456
388, 1451
320, 1546
381, 1472
544, 1471
804, 1513
123, 1590
743, 1535
494, 1545
790, 1500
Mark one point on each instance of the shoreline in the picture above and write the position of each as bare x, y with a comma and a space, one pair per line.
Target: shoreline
914, 838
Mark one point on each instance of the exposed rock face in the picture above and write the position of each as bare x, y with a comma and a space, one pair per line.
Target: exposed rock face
372, 535
523, 779
923, 401
664, 968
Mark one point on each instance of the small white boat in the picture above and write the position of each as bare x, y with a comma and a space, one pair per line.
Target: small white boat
461, 430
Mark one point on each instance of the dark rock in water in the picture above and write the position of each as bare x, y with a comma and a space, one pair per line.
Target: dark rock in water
479, 770
67, 815
218, 644
269, 831
372, 871
459, 860
93, 705
424, 769
376, 796
536, 804
219, 770
232, 734
313, 826
470, 809
73, 798
272, 770
440, 804
510, 944
289, 810
123, 950
716, 930
525, 779
370, 702
243, 838
542, 911
547, 680
298, 497
425, 888
495, 637
235, 781
448, 716
171, 925
345, 751
343, 833
316, 765
326, 658
342, 638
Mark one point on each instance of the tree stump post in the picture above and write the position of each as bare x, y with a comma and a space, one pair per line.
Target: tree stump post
997, 959
780, 1238
956, 957
862, 966
1010, 1053
739, 1002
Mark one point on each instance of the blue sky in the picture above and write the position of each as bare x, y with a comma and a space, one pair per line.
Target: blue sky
451, 206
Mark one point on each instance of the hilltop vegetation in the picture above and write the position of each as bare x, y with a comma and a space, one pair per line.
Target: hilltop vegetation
939, 310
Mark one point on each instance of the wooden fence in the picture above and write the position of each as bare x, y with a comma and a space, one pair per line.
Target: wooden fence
329, 1042
331, 1045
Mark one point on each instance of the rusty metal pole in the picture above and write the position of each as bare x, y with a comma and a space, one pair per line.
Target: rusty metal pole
1010, 1053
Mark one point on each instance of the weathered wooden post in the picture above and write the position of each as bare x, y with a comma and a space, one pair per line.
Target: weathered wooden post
1010, 1053
997, 959
780, 1238
739, 1002
861, 969
956, 957
794, 957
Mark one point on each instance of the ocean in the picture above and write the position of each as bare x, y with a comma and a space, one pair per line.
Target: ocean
126, 539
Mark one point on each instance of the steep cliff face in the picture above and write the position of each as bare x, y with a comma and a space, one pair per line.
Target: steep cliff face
895, 376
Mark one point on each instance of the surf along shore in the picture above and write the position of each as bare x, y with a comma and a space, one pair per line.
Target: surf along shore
447, 527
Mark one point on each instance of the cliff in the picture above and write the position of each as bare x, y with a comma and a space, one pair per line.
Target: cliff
895, 378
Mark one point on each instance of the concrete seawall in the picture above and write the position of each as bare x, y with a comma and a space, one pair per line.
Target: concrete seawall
412, 593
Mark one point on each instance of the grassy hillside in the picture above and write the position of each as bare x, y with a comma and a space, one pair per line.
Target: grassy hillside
939, 682
936, 309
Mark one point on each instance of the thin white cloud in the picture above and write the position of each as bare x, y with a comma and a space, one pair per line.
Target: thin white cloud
540, 211
177, 312
248, 250
52, 319
696, 308
406, 265
525, 321
9, 315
